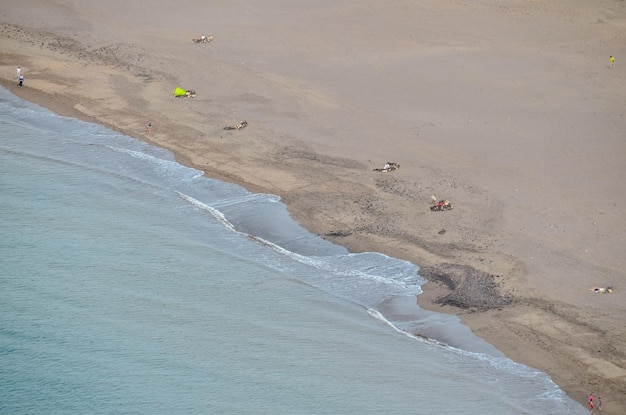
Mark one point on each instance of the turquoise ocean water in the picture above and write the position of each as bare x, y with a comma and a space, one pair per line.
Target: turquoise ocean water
130, 284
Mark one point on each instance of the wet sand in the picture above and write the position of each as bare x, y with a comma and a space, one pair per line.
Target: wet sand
510, 111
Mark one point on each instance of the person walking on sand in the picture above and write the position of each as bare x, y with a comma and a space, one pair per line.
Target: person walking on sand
611, 62
599, 404
149, 127
19, 72
20, 80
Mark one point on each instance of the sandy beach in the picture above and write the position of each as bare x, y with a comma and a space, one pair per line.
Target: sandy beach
507, 109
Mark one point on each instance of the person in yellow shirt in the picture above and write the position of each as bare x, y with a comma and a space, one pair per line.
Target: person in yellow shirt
611, 62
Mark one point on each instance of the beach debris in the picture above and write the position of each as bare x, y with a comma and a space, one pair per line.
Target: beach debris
338, 234
441, 232
202, 39
184, 93
602, 290
389, 167
437, 206
239, 126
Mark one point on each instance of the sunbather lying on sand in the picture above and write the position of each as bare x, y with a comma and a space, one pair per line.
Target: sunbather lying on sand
239, 126
203, 39
601, 290
389, 166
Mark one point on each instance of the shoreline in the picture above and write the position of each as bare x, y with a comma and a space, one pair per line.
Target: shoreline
579, 341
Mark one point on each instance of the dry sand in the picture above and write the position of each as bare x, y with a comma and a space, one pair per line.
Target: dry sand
506, 108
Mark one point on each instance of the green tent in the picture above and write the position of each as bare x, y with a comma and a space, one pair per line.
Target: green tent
179, 92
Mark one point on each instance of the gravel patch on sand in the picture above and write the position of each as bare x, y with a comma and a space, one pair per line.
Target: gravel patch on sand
469, 288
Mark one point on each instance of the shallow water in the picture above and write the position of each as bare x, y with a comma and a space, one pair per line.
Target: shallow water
132, 284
